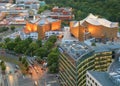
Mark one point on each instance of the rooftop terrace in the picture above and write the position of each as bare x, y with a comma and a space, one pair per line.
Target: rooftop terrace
103, 47
75, 49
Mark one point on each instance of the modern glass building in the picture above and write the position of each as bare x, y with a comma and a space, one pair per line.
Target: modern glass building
77, 58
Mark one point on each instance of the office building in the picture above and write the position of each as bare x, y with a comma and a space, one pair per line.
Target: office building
77, 57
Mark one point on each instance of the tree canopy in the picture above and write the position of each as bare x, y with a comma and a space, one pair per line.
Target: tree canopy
109, 9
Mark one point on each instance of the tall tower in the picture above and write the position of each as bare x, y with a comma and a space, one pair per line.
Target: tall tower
81, 35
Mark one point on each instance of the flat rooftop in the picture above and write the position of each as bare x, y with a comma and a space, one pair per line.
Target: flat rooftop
101, 47
103, 78
107, 47
75, 49
42, 21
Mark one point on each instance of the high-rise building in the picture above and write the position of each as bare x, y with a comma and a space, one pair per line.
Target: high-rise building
76, 58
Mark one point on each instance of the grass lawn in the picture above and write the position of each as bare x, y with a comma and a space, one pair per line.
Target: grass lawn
22, 67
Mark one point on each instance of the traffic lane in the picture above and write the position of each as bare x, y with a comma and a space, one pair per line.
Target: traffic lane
25, 81
8, 55
12, 76
5, 82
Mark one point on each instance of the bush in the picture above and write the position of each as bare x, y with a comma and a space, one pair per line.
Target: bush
12, 28
2, 29
26, 64
24, 60
53, 68
93, 44
20, 58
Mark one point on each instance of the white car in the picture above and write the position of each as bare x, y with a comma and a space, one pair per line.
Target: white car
36, 83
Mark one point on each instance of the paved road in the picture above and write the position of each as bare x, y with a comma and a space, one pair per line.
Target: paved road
26, 81
12, 78
41, 76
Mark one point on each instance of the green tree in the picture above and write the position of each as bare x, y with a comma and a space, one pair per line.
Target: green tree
48, 45
53, 68
52, 58
39, 42
39, 59
26, 64
17, 39
20, 58
18, 48
11, 45
24, 60
93, 44
7, 40
43, 8
81, 8
41, 52
4, 46
1, 44
22, 46
52, 38
3, 66
31, 49
55, 50
12, 28
28, 40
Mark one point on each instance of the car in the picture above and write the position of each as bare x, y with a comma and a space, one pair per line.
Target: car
16, 66
36, 83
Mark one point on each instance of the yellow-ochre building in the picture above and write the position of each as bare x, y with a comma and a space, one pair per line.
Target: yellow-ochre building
76, 58
93, 26
42, 25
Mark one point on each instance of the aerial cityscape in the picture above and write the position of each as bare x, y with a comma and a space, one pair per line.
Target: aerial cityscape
59, 43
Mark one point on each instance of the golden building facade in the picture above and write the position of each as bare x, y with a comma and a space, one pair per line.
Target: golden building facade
42, 25
93, 26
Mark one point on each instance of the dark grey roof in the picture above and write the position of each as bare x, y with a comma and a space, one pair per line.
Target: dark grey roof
107, 47
103, 78
75, 49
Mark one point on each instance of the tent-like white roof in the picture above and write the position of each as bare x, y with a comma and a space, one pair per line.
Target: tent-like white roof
95, 20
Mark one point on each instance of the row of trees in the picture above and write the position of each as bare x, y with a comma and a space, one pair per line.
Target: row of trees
27, 46
53, 60
2, 29
81, 8
50, 51
43, 8
35, 48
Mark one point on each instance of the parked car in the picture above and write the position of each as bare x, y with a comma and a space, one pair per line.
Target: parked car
16, 66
